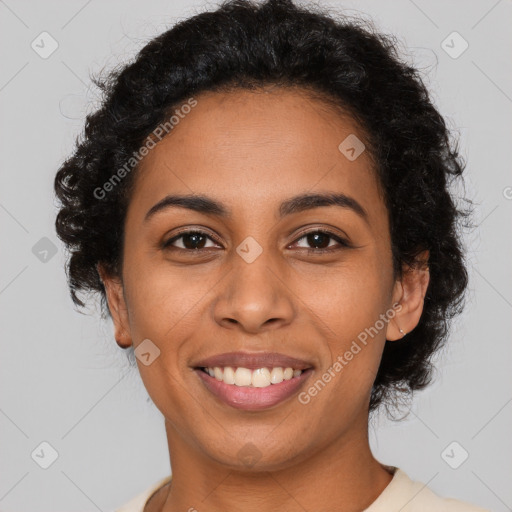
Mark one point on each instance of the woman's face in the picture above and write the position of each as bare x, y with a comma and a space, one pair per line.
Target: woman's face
256, 280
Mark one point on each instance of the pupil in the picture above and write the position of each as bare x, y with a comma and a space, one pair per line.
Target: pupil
193, 241
321, 240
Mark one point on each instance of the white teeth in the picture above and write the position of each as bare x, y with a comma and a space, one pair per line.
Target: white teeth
243, 377
276, 376
259, 378
229, 375
217, 373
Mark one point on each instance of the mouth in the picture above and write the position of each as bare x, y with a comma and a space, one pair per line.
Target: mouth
253, 389
253, 381
245, 377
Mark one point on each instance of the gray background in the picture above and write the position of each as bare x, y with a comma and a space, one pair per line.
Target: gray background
63, 379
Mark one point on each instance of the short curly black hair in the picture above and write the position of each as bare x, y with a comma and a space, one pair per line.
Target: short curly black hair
246, 44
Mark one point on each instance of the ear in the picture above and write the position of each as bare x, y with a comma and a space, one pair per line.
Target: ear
409, 292
117, 306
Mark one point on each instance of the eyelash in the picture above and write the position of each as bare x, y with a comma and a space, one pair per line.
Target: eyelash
342, 242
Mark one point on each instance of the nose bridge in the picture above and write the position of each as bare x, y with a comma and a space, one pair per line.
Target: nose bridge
253, 297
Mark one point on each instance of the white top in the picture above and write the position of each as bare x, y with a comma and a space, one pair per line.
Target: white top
401, 495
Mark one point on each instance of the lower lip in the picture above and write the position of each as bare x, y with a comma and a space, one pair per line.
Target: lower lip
250, 398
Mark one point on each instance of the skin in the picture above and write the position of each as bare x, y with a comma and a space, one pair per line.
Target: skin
251, 151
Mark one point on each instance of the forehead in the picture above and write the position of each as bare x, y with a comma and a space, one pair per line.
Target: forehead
257, 147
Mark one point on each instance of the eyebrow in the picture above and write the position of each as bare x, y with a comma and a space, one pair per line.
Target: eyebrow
296, 204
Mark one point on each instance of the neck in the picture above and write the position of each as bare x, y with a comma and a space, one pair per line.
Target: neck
342, 476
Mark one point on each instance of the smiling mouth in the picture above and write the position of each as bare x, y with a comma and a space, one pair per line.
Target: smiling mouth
253, 390
256, 378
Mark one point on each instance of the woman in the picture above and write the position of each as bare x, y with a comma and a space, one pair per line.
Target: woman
262, 202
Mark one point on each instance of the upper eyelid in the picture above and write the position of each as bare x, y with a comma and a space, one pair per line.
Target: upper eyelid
341, 240
201, 231
330, 231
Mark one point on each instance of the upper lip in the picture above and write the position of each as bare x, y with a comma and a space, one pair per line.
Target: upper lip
252, 361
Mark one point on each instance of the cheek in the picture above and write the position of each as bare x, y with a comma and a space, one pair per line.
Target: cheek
346, 305
163, 299
346, 299
164, 307
167, 306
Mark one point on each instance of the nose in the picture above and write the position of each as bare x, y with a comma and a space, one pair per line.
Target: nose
254, 296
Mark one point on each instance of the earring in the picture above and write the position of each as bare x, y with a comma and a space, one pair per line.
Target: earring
403, 332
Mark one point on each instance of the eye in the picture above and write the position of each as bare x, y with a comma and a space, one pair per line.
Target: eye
322, 240
190, 240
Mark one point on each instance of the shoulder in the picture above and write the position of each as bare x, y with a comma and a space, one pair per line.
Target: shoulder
138, 503
408, 495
